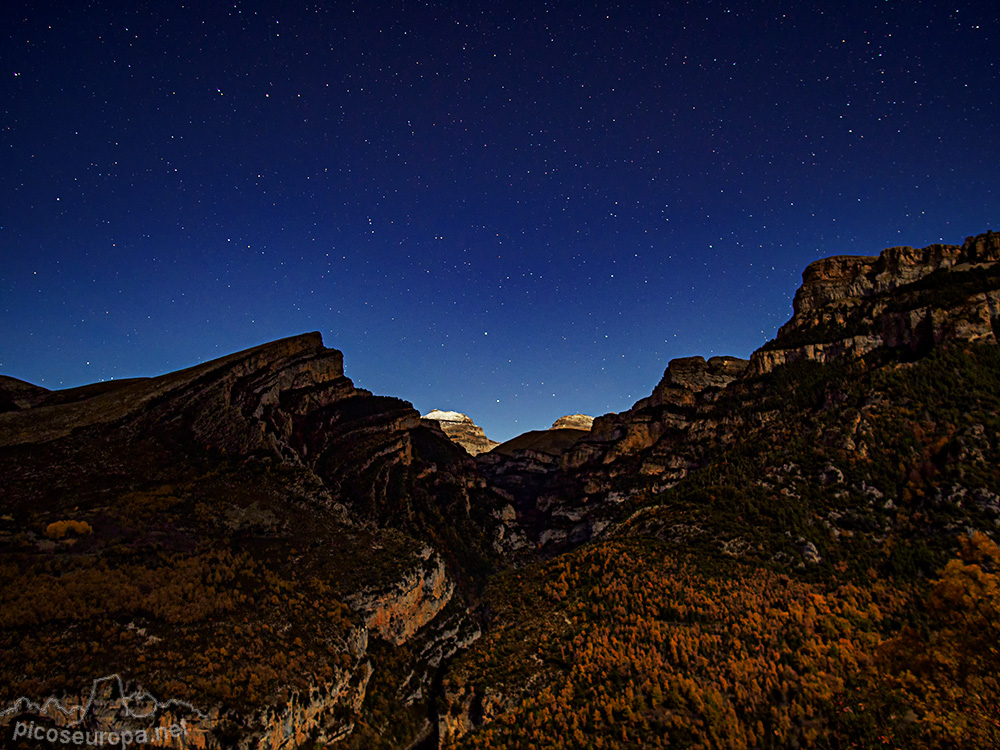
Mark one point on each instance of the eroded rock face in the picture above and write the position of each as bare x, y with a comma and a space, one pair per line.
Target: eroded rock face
273, 458
461, 430
560, 480
261, 383
686, 383
468, 709
686, 378
573, 422
844, 277
906, 298
415, 599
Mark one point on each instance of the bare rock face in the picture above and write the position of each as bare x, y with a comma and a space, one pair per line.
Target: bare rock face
560, 480
462, 431
845, 277
906, 298
687, 383
687, 377
573, 422
254, 381
413, 601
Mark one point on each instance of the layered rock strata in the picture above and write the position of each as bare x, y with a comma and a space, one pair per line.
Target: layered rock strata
462, 431
274, 460
905, 299
573, 422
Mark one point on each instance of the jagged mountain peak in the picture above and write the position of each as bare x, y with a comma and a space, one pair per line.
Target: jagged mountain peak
904, 299
462, 431
328, 556
573, 422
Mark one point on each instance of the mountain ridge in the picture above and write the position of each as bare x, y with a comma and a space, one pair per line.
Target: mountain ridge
316, 565
462, 431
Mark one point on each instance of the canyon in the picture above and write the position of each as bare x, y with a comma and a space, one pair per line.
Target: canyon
309, 564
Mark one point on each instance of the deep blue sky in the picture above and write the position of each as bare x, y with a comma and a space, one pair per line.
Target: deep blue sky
515, 210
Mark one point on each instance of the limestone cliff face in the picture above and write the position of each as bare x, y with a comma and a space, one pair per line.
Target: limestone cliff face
559, 480
115, 705
467, 709
461, 430
905, 298
295, 374
687, 383
411, 602
847, 277
573, 422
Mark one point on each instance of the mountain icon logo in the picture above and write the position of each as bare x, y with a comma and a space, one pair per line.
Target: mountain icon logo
137, 704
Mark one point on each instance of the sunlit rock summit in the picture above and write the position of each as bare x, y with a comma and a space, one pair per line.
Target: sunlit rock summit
462, 431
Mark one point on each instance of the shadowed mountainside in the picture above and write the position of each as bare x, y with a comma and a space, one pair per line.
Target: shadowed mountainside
462, 431
274, 531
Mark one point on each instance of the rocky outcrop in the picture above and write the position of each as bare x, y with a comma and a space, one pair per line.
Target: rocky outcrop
465, 709
848, 277
256, 382
412, 601
560, 480
904, 299
688, 377
573, 422
687, 384
328, 499
297, 516
461, 430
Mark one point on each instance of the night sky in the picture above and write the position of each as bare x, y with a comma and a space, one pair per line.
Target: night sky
515, 210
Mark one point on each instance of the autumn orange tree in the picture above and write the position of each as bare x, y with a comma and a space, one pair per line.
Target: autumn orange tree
949, 672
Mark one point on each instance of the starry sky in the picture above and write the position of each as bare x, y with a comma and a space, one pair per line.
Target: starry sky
515, 210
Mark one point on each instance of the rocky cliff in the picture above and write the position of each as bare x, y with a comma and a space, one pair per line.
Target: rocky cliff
561, 481
300, 562
573, 422
462, 431
413, 600
234, 534
858, 451
678, 401
903, 302
905, 299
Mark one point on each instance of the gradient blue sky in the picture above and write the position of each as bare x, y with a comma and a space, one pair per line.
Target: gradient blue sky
515, 210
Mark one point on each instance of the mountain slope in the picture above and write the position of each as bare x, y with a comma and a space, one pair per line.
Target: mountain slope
790, 551
462, 431
253, 535
770, 547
